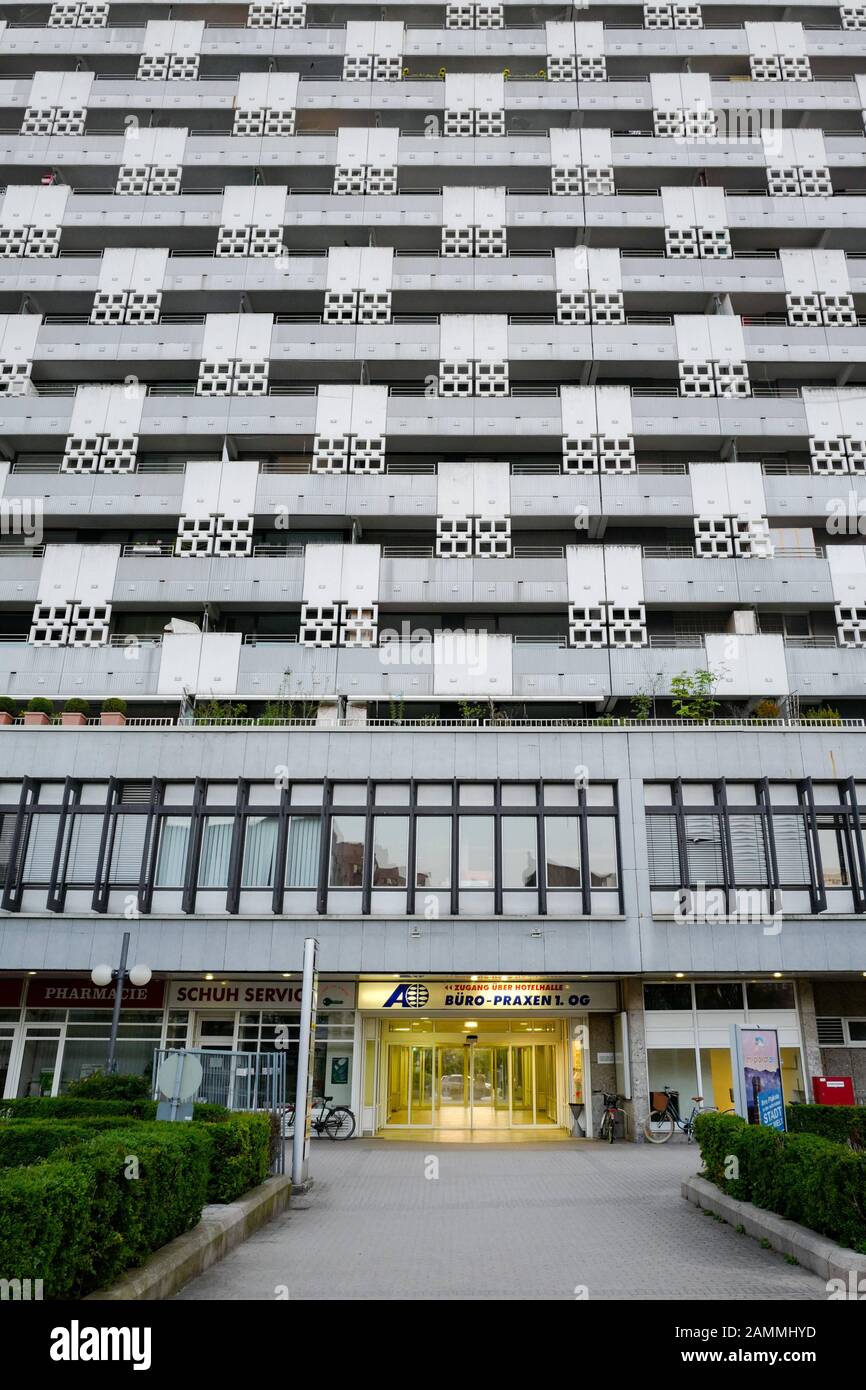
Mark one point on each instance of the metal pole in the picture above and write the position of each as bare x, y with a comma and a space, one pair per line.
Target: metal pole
304, 1088
120, 977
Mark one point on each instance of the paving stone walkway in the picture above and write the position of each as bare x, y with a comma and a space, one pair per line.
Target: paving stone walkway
410, 1221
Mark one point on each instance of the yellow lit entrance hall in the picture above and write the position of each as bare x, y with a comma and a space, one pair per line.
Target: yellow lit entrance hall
473, 1079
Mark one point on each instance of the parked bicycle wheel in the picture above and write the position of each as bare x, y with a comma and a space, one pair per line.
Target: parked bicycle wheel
658, 1126
339, 1123
288, 1122
612, 1125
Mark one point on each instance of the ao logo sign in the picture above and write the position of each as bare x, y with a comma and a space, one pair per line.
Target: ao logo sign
413, 996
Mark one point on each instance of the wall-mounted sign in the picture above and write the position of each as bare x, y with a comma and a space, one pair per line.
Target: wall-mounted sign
515, 995
79, 992
758, 1076
256, 994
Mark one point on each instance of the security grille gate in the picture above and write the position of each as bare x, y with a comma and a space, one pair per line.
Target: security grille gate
239, 1081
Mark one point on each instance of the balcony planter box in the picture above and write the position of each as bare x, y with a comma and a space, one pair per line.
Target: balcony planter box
74, 718
35, 716
6, 717
112, 717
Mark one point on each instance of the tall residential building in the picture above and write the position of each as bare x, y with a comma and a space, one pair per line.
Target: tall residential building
443, 426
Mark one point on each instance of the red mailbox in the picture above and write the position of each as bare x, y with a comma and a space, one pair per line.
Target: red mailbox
832, 1090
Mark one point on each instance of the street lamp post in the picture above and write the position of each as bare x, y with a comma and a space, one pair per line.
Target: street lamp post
102, 975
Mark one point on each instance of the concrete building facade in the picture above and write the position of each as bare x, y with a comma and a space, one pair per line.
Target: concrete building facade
432, 455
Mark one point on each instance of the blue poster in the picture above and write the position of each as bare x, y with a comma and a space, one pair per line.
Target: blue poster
771, 1110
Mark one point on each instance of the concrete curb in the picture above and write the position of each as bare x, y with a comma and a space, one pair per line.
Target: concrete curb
221, 1228
818, 1253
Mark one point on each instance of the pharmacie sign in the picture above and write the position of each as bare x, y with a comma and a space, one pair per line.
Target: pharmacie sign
463, 995
256, 994
79, 992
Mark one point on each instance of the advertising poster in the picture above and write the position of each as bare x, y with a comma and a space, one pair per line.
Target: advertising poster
761, 1070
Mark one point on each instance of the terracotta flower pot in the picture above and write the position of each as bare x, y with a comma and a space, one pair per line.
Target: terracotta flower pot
6, 717
35, 716
112, 717
73, 717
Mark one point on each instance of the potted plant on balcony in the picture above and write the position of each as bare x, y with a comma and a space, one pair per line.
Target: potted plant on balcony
8, 710
75, 712
113, 711
821, 714
38, 711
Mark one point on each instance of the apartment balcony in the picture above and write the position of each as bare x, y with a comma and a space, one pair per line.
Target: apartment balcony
531, 418
173, 580
796, 579
482, 583
300, 351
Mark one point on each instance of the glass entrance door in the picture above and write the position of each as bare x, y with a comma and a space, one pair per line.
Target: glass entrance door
468, 1081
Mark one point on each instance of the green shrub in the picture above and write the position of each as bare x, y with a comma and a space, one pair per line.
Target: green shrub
82, 1218
114, 705
8, 705
38, 705
102, 1085
75, 1108
45, 1225
846, 1124
240, 1155
808, 1179
76, 706
30, 1140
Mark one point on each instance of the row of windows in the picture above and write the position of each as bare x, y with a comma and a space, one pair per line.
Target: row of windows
719, 995
451, 838
770, 835
443, 838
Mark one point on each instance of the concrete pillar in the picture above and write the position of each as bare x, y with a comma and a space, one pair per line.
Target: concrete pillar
809, 1030
637, 1108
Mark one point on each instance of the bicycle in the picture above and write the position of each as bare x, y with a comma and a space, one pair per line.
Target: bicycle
613, 1116
337, 1121
665, 1116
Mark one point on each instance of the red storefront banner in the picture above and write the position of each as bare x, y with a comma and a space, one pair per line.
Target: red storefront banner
10, 993
79, 992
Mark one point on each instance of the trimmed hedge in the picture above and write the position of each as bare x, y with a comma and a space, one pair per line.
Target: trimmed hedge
240, 1155
845, 1124
102, 1085
80, 1219
814, 1181
74, 1108
30, 1140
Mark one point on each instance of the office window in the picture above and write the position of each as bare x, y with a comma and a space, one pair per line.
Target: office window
216, 844
85, 835
302, 860
433, 852
562, 851
347, 851
601, 835
390, 851
260, 852
173, 847
127, 850
519, 852
476, 851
